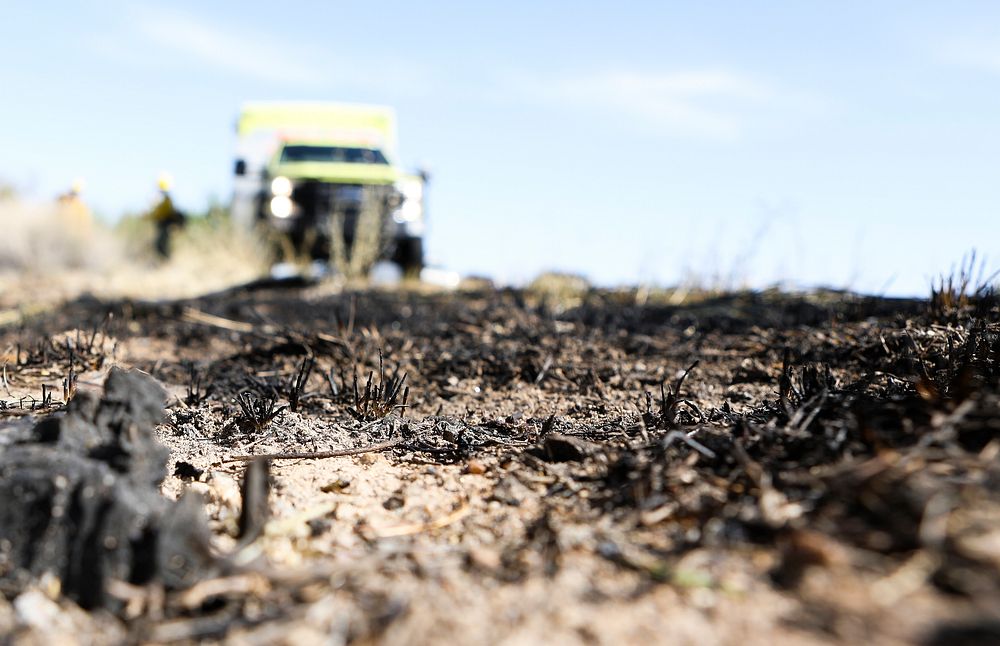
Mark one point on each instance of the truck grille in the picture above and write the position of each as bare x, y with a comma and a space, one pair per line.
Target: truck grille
320, 200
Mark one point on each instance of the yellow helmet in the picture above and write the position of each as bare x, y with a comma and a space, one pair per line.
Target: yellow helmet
165, 181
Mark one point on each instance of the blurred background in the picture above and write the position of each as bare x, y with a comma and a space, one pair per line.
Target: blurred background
725, 144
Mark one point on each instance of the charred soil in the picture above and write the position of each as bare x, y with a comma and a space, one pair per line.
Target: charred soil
501, 467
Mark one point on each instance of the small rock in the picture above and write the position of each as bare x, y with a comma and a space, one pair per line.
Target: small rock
36, 610
201, 489
556, 447
224, 489
395, 501
802, 549
483, 558
187, 471
475, 467
983, 546
319, 526
336, 486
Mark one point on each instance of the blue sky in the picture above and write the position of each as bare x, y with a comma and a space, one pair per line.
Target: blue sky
848, 144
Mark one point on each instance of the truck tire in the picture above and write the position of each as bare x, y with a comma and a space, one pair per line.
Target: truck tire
410, 256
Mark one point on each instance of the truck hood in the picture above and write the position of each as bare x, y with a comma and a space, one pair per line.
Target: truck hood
337, 173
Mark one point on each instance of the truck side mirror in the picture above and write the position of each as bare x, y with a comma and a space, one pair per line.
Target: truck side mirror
241, 168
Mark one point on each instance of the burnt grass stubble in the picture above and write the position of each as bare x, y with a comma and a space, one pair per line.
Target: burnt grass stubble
811, 427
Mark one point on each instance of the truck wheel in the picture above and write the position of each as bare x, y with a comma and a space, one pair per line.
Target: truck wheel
410, 256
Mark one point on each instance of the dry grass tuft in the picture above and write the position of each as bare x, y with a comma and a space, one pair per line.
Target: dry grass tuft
369, 239
46, 256
968, 285
209, 254
558, 291
46, 239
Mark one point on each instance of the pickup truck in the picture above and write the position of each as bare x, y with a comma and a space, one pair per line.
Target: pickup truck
324, 180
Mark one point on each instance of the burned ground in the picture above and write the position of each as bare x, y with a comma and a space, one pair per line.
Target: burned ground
510, 466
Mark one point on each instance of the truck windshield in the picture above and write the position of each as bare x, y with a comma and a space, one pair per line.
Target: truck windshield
332, 154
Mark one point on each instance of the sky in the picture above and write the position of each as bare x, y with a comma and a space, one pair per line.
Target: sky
851, 145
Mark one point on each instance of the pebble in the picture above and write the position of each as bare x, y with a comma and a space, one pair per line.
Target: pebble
224, 489
484, 558
35, 609
336, 486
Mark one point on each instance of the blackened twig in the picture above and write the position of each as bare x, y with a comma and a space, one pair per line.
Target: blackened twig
298, 384
318, 455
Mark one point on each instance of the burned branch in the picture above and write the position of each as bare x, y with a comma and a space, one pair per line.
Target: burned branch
195, 393
69, 384
296, 386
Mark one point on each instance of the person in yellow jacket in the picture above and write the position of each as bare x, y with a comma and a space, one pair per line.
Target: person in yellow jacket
74, 212
165, 217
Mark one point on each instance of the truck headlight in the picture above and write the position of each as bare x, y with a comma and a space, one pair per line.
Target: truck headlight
412, 208
281, 206
281, 186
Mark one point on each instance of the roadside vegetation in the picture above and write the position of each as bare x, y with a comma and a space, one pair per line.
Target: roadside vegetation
49, 254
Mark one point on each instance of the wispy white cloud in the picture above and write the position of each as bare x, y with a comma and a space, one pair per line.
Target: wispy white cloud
228, 49
698, 103
264, 56
709, 104
973, 53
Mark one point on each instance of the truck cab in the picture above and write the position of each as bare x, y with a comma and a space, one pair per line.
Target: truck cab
328, 183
